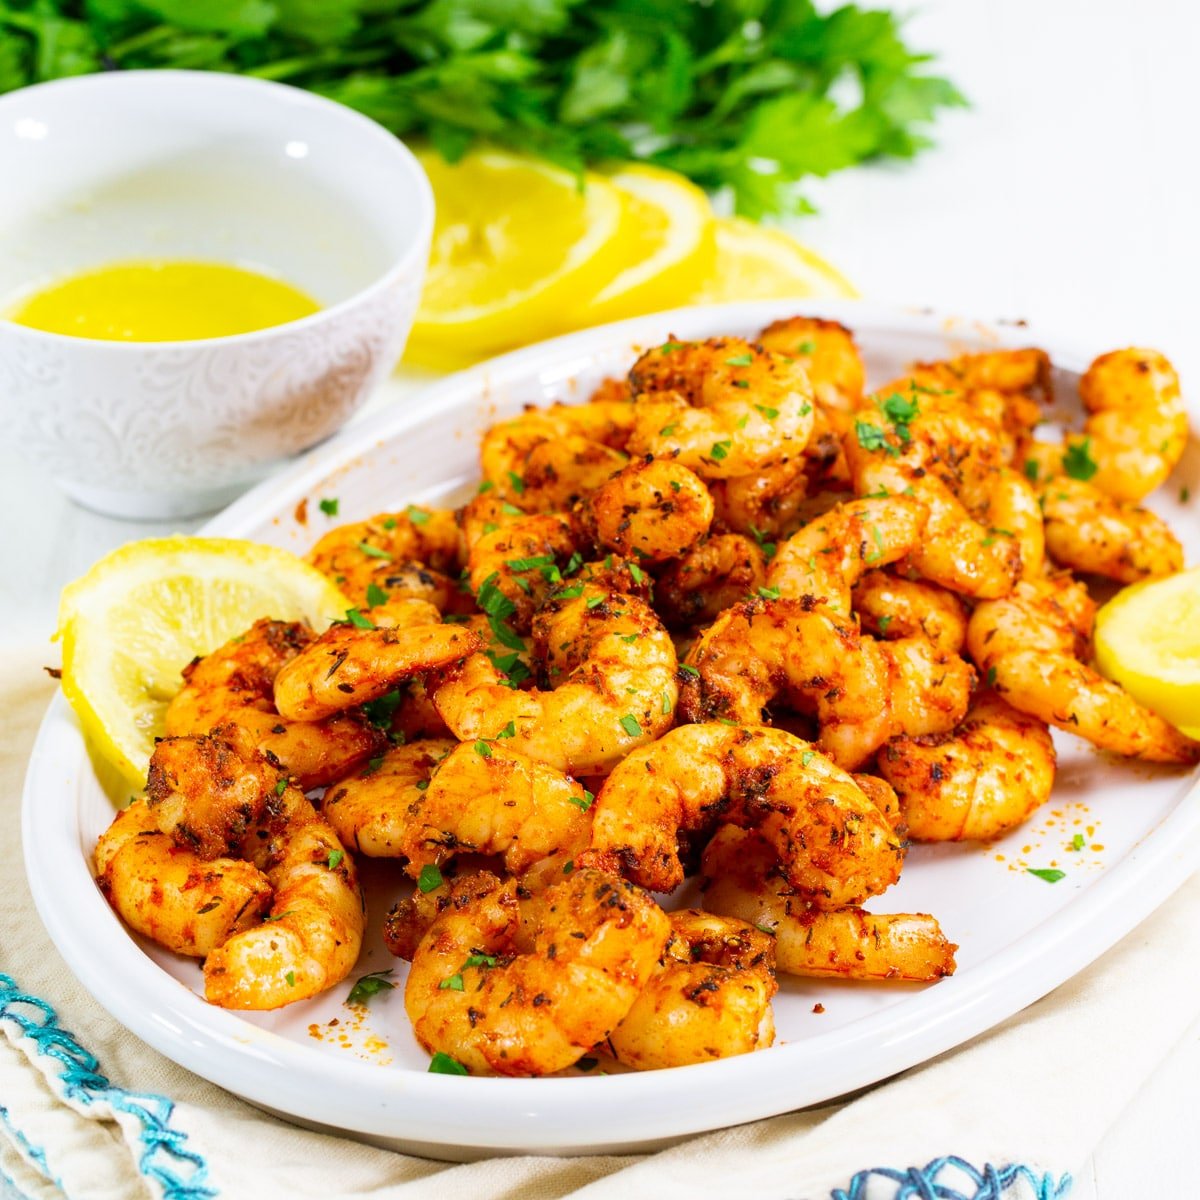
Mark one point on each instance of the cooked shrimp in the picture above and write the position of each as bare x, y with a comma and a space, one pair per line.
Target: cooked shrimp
362, 553
485, 513
710, 997
656, 510
862, 691
412, 581
471, 996
1089, 531
170, 894
1029, 645
611, 665
314, 932
976, 782
890, 606
1137, 427
715, 574
205, 791
349, 665
723, 407
559, 472
763, 502
235, 685
371, 811
508, 446
826, 558
827, 353
832, 839
741, 878
890, 455
1004, 502
521, 561
488, 799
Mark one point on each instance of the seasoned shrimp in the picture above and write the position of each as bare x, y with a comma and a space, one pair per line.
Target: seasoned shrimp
976, 782
611, 666
710, 997
485, 513
235, 685
890, 606
1030, 645
715, 574
863, 692
723, 407
1136, 429
314, 932
367, 552
509, 446
742, 878
412, 581
826, 558
371, 811
926, 462
827, 353
488, 799
206, 790
350, 665
520, 561
656, 510
562, 471
471, 995
832, 839
763, 502
170, 894
1089, 531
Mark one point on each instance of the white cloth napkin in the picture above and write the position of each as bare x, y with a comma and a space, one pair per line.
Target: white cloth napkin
94, 1114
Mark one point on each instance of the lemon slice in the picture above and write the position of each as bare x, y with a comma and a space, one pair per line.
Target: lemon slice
671, 247
1147, 638
517, 245
755, 262
142, 613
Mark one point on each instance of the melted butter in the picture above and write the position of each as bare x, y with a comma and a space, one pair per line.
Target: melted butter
163, 302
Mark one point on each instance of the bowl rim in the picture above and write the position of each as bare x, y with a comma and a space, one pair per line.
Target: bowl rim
418, 239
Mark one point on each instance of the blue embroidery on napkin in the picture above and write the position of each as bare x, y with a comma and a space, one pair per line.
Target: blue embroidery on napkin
181, 1173
35, 1154
921, 1183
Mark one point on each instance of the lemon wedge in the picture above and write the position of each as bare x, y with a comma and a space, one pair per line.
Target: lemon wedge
670, 246
517, 245
1147, 638
755, 262
142, 613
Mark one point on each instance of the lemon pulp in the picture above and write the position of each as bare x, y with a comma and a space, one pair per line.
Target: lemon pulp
163, 302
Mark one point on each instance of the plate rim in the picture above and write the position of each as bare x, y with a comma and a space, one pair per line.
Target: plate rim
529, 1115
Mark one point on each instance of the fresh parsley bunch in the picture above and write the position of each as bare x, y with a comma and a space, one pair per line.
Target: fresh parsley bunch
748, 95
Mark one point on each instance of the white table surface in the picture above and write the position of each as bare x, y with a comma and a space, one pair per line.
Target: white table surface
1068, 195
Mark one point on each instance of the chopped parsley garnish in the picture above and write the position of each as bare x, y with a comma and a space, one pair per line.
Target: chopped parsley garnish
389, 522
760, 536
453, 983
666, 703
430, 878
479, 960
991, 676
1049, 874
418, 516
509, 731
630, 725
281, 787
639, 576
583, 802
518, 484
370, 985
443, 1064
629, 638
769, 593
676, 486
329, 506
594, 601
1031, 470
486, 486
670, 347
374, 551
1078, 461
807, 757
900, 410
375, 595
291, 978
380, 712
873, 556
498, 608
767, 930
739, 360
871, 437
335, 857
808, 346
358, 620
720, 450
884, 622
483, 749
571, 593
372, 766
667, 430
1077, 842
688, 670
769, 413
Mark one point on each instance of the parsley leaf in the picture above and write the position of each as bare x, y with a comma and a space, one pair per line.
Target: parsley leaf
430, 878
630, 725
370, 985
329, 506
1049, 874
1078, 461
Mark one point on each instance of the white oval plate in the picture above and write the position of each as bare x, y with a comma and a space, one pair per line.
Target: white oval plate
364, 1074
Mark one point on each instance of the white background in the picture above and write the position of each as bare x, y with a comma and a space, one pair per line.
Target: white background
1067, 195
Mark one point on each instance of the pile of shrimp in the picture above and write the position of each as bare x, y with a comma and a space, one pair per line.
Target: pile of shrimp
735, 626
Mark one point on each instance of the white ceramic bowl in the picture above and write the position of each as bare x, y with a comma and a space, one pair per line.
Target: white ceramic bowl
367, 1076
194, 165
